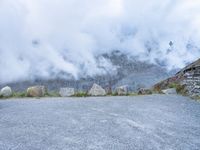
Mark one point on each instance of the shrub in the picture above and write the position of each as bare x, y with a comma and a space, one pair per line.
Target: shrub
173, 85
181, 89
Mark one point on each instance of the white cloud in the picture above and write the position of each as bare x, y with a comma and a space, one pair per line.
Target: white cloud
38, 37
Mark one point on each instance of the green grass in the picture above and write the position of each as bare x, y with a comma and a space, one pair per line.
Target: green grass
112, 94
133, 94
52, 94
19, 94
173, 85
80, 94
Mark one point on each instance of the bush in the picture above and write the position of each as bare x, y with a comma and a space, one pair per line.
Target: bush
172, 85
180, 89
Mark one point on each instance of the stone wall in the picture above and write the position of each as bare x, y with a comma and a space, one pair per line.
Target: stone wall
192, 83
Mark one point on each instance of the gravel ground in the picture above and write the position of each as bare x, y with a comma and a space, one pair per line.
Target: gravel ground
102, 123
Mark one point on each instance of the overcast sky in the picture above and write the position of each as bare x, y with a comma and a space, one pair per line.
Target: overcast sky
41, 37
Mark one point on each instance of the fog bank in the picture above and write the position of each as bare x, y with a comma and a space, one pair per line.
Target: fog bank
42, 38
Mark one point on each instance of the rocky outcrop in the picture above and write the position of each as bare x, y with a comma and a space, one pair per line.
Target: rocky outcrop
6, 92
192, 85
97, 90
186, 81
36, 91
121, 90
66, 92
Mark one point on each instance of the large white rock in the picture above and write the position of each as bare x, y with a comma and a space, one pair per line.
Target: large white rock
6, 91
121, 90
66, 92
36, 91
97, 90
169, 91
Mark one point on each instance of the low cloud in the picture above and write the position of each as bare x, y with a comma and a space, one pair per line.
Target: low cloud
42, 38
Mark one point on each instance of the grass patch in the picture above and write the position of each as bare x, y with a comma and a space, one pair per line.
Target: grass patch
80, 94
19, 94
112, 94
173, 85
132, 94
52, 94
116, 94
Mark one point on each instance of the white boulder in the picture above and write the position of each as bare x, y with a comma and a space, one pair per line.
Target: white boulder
97, 90
66, 92
36, 91
6, 91
169, 91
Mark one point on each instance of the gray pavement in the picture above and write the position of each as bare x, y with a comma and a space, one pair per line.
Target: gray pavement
103, 123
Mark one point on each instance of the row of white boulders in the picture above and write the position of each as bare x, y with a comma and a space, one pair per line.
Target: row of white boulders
6, 92
96, 90
36, 91
41, 91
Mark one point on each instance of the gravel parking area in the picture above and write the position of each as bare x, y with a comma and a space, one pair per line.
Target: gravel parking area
153, 122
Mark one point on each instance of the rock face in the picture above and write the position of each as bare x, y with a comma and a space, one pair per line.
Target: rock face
6, 91
97, 90
169, 91
121, 90
36, 91
187, 80
192, 85
66, 92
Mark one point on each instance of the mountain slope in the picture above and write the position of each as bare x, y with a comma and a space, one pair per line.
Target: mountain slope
127, 71
187, 80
